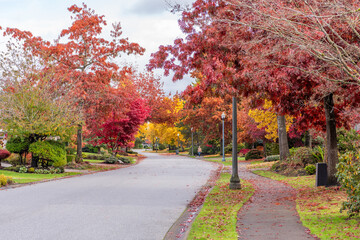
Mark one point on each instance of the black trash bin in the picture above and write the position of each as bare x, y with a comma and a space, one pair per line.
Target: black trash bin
321, 174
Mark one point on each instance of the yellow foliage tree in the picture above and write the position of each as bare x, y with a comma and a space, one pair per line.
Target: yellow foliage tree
266, 118
161, 133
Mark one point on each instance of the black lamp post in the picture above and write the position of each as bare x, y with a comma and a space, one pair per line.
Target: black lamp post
223, 137
234, 180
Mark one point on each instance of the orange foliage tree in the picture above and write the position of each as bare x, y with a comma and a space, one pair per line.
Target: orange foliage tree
84, 60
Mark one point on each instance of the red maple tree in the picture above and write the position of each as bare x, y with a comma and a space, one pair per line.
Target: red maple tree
84, 60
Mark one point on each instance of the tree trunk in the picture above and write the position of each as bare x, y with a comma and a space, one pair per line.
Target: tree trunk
307, 139
79, 158
265, 152
331, 140
34, 161
283, 140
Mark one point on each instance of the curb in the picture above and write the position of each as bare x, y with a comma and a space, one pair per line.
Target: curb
182, 226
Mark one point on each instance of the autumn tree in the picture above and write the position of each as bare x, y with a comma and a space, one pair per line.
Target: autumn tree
208, 50
161, 133
325, 36
226, 42
34, 104
327, 30
118, 132
85, 58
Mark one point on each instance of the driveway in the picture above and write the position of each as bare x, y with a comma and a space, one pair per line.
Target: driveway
139, 202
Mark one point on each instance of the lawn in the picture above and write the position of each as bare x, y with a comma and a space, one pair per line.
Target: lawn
228, 160
218, 216
319, 208
33, 177
93, 160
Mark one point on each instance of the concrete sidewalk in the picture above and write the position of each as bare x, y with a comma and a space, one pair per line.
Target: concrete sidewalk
271, 211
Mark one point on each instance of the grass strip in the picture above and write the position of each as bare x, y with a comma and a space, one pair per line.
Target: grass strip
218, 216
93, 160
319, 208
33, 177
228, 160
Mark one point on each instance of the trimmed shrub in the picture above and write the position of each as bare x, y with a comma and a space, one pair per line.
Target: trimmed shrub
5, 180
310, 169
272, 158
244, 151
111, 160
4, 154
253, 154
51, 151
22, 169
348, 175
125, 160
302, 156
13, 169
39, 171
31, 170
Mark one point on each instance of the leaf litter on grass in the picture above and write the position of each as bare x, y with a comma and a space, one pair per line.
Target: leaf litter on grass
319, 208
218, 216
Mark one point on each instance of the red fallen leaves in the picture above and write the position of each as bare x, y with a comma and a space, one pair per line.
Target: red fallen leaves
313, 204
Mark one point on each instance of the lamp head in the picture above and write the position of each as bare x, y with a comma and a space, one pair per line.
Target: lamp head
223, 116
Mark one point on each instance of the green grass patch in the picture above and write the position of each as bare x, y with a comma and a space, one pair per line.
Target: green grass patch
295, 182
319, 208
256, 162
93, 154
93, 161
218, 216
228, 160
33, 177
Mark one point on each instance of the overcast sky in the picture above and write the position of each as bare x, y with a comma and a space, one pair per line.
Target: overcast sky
147, 22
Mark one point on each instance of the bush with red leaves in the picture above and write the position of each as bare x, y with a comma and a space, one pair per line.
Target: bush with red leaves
4, 154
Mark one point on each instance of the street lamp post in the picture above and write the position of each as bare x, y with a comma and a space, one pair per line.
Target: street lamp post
223, 137
192, 142
234, 180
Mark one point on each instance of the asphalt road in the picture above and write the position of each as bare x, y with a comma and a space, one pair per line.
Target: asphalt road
139, 202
